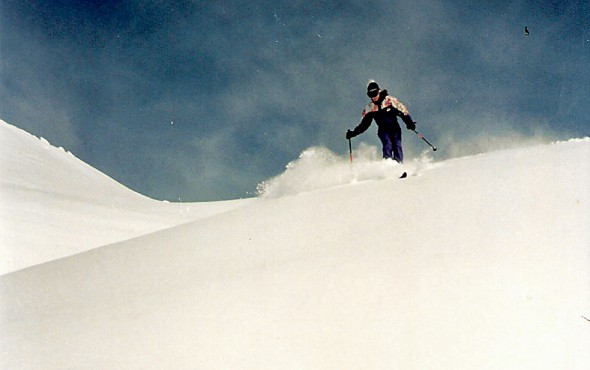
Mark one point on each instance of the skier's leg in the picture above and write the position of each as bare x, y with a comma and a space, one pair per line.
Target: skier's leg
396, 139
387, 144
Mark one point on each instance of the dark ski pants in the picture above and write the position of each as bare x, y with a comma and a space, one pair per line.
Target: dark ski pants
392, 144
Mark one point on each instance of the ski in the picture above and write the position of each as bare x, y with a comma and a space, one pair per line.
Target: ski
404, 175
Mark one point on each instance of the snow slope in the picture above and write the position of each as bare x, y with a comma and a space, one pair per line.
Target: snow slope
473, 263
53, 205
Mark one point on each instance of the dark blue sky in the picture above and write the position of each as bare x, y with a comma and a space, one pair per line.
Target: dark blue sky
202, 100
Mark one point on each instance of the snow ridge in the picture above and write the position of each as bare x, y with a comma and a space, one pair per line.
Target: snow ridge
53, 205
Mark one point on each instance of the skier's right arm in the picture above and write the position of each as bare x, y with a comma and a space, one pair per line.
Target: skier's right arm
361, 127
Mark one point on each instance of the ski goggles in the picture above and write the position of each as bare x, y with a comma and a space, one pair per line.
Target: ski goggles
373, 93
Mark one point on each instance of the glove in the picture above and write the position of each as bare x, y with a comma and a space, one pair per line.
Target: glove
349, 135
410, 125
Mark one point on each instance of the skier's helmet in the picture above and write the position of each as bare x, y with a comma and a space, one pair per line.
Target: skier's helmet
372, 89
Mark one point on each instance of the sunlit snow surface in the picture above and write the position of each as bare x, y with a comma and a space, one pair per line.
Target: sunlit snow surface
478, 262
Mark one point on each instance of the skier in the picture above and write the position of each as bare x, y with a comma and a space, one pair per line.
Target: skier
384, 109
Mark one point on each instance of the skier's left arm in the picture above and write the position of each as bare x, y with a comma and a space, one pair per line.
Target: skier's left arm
402, 111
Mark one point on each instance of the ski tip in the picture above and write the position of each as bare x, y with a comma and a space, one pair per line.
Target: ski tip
404, 175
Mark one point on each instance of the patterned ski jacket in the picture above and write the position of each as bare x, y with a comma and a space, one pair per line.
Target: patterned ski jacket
384, 112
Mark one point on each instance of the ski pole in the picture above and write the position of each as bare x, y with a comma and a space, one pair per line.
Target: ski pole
426, 141
350, 149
